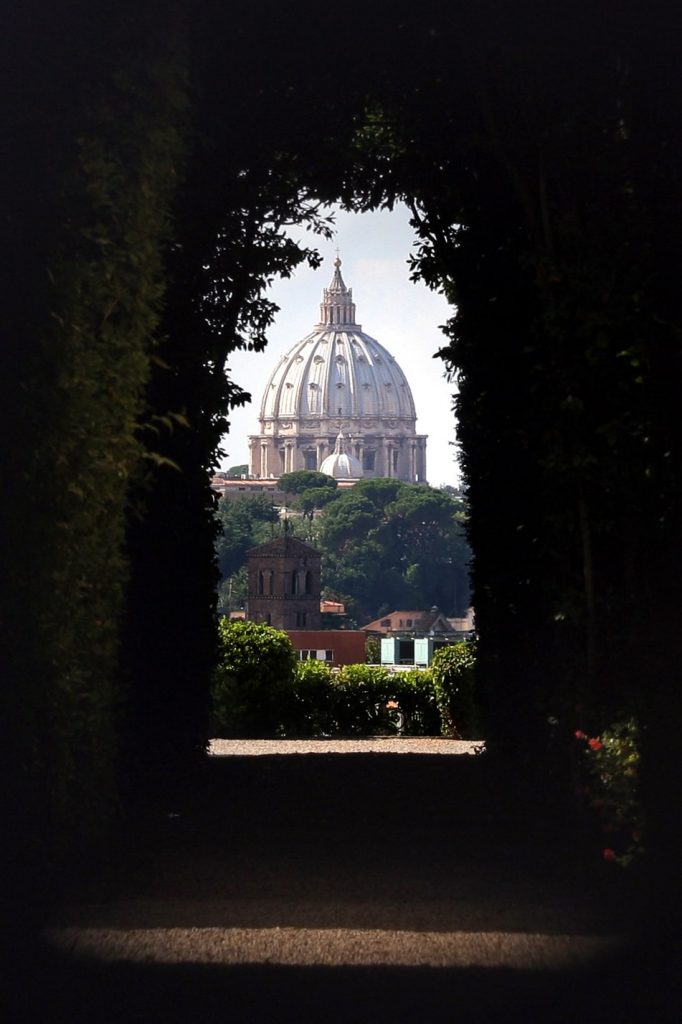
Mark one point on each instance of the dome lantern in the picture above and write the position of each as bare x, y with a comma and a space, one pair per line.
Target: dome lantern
337, 307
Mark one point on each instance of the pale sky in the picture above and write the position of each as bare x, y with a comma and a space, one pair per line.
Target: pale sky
404, 317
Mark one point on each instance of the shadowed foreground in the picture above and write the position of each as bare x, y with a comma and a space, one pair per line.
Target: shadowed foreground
358, 887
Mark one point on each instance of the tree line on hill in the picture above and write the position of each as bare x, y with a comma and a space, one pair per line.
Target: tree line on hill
385, 544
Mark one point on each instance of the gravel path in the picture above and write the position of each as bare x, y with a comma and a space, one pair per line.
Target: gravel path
347, 885
374, 745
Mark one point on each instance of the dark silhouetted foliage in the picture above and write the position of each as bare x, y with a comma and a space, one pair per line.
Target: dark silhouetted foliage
158, 153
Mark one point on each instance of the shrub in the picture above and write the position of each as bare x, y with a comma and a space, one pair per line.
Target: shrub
362, 700
361, 693
610, 763
261, 690
372, 650
453, 670
253, 688
311, 709
414, 692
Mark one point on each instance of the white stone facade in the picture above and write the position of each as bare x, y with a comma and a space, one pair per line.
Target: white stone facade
338, 379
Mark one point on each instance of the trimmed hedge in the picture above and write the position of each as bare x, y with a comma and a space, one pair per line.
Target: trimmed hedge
260, 690
253, 688
453, 674
87, 310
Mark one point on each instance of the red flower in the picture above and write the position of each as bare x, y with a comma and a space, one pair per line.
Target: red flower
595, 744
579, 734
609, 854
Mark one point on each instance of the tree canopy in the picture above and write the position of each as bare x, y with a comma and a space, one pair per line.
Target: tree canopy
309, 490
388, 544
383, 543
244, 523
305, 480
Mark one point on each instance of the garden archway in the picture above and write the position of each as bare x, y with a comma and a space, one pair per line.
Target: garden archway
535, 157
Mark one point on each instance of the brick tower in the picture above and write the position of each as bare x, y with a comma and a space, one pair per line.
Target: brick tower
284, 584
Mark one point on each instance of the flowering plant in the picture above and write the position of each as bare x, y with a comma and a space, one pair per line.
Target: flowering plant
611, 763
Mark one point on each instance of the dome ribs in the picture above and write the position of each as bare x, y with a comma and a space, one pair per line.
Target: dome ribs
338, 379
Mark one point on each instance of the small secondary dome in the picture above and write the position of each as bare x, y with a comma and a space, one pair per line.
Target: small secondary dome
341, 464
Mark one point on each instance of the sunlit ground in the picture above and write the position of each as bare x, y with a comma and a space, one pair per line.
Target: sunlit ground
374, 745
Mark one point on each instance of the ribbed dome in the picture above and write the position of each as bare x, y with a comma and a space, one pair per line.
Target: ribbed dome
338, 379
341, 464
337, 371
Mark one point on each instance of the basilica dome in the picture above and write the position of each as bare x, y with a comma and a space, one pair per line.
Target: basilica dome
338, 379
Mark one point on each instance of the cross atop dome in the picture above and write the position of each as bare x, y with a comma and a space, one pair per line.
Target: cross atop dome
337, 306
